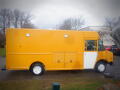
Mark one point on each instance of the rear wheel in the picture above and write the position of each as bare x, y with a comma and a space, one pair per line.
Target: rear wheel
100, 67
37, 69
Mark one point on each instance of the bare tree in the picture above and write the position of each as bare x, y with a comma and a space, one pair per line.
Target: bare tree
72, 23
114, 25
17, 15
116, 36
21, 18
2, 39
110, 22
102, 34
5, 18
116, 32
25, 19
14, 18
28, 25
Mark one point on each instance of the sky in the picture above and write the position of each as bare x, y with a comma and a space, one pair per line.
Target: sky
50, 13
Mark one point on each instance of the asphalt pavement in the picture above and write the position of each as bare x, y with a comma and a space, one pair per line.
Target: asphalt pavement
114, 70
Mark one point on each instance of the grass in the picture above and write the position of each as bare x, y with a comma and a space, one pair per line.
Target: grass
44, 85
2, 51
67, 82
84, 86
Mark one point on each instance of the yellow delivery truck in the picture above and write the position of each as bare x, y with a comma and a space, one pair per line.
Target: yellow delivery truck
43, 50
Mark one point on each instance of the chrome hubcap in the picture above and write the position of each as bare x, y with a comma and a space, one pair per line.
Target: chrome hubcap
101, 67
37, 70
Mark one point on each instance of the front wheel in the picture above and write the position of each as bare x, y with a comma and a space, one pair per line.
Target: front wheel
37, 69
100, 67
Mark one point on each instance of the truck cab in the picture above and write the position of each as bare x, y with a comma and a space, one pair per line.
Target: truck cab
104, 57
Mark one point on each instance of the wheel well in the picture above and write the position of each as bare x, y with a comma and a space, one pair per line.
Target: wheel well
100, 61
111, 63
35, 63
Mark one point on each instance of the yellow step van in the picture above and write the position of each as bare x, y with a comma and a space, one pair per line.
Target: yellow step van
43, 50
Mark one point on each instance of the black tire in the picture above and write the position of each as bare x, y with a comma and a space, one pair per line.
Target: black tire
100, 67
37, 69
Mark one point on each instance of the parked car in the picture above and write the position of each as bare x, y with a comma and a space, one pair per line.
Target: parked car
115, 50
108, 48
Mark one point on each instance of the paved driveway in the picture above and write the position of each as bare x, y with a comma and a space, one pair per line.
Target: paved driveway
114, 70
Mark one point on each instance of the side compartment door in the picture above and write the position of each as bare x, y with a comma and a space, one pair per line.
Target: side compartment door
70, 60
90, 54
73, 60
58, 61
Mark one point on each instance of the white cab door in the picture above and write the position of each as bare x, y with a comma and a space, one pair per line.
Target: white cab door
89, 60
90, 54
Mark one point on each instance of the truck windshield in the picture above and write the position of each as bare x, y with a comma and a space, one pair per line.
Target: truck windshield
100, 45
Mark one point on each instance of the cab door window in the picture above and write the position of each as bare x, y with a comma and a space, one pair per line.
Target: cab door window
90, 45
100, 45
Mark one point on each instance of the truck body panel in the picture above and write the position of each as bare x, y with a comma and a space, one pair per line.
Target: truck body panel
55, 49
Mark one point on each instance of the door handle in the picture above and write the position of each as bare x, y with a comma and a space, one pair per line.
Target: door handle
58, 61
70, 61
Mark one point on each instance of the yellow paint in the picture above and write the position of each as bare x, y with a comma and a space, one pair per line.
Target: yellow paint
105, 55
51, 47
